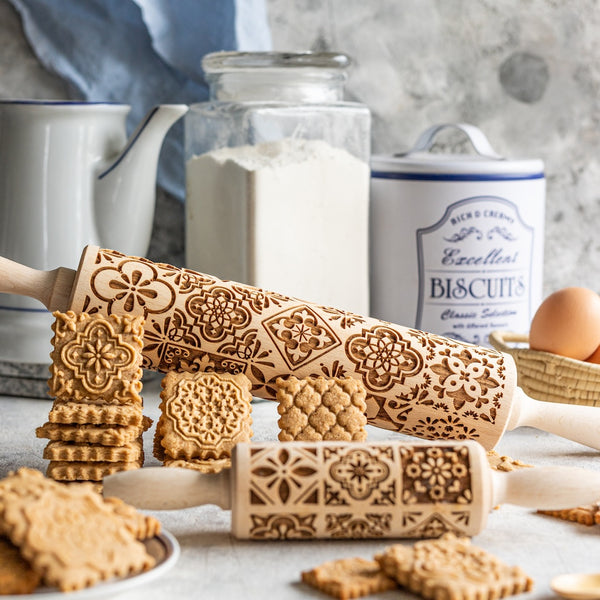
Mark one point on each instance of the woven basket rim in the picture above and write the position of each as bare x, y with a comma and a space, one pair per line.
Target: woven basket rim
500, 340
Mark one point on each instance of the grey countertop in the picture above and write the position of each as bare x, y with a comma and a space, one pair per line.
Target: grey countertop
215, 565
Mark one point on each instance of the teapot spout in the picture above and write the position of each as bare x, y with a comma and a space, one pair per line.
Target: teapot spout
125, 189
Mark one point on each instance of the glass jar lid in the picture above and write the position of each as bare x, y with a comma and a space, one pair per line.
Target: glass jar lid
218, 62
314, 77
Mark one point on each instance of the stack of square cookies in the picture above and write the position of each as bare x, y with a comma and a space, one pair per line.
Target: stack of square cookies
95, 425
203, 416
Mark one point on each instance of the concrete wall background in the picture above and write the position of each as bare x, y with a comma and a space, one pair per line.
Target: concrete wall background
527, 72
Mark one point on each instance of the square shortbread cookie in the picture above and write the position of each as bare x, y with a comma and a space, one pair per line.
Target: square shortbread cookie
96, 357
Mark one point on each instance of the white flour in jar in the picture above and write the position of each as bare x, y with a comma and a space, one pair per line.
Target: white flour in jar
289, 216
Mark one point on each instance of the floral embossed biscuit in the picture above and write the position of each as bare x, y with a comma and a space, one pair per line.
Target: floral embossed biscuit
453, 569
349, 578
203, 415
96, 357
317, 408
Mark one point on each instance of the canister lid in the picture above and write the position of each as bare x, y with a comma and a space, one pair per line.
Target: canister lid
419, 163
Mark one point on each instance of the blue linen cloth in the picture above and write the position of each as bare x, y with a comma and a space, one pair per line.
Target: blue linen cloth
142, 53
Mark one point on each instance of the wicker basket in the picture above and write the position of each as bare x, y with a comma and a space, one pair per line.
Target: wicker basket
550, 377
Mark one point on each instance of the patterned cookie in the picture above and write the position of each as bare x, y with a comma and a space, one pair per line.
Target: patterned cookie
72, 539
203, 415
314, 409
207, 465
16, 576
105, 435
88, 471
84, 413
96, 357
141, 526
505, 463
453, 569
349, 578
74, 451
585, 515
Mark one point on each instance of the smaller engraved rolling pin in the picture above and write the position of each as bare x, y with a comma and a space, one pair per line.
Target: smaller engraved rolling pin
417, 383
297, 490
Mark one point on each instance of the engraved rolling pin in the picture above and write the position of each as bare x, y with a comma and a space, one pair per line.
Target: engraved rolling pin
417, 383
352, 490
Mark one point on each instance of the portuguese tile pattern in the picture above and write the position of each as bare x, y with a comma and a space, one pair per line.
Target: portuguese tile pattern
310, 490
95, 357
417, 383
203, 415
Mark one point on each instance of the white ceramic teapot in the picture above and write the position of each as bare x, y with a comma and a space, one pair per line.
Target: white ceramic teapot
70, 177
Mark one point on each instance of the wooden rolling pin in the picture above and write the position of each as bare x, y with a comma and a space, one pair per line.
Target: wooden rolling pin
352, 490
417, 383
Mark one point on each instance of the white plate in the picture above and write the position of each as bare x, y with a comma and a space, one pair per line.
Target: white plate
165, 550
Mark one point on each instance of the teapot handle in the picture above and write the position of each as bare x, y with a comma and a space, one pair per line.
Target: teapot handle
480, 143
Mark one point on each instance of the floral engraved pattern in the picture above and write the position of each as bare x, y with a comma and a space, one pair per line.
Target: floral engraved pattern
359, 472
344, 318
391, 489
434, 474
133, 287
217, 313
353, 526
465, 378
433, 526
259, 300
282, 477
97, 356
300, 335
189, 281
383, 357
417, 383
282, 527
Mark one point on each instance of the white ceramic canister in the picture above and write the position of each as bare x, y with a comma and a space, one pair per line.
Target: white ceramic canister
457, 241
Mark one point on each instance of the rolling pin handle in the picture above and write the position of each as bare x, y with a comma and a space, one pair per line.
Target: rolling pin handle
546, 488
51, 288
577, 423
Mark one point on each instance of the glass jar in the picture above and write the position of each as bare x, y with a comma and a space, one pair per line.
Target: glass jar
277, 170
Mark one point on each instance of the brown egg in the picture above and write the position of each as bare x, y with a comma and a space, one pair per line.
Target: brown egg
595, 357
567, 323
